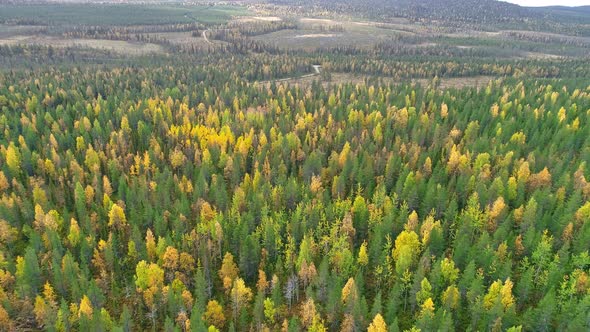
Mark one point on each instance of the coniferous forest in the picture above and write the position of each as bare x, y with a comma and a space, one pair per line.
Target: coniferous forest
229, 185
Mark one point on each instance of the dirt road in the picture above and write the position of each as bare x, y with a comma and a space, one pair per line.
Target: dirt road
205, 36
316, 68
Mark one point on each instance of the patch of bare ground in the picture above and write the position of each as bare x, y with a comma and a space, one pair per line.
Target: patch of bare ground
318, 20
540, 56
318, 35
250, 19
266, 18
429, 44
117, 46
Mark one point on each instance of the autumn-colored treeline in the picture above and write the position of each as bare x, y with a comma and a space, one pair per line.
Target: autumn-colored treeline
185, 198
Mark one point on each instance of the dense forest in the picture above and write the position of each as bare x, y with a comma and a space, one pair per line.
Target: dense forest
239, 179
174, 198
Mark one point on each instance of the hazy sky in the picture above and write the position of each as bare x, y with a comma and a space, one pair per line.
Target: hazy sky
533, 3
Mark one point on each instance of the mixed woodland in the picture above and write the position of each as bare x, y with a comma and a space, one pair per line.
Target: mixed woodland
195, 193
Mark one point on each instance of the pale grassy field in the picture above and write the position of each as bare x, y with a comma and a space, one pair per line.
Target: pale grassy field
116, 46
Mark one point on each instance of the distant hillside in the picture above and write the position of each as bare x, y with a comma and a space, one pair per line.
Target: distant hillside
474, 11
578, 15
564, 9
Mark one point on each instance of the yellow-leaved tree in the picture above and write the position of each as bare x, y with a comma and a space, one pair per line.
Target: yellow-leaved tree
13, 159
149, 279
499, 294
363, 258
85, 309
229, 271
406, 250
214, 314
241, 296
378, 324
117, 217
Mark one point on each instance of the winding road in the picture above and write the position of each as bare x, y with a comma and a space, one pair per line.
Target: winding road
316, 68
204, 32
205, 37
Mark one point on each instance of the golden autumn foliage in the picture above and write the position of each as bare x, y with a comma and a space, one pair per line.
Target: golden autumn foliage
412, 223
117, 217
427, 308
499, 294
5, 322
406, 250
262, 283
74, 233
541, 179
378, 324
40, 311
185, 195
150, 243
13, 159
308, 312
457, 161
229, 271
85, 308
214, 314
583, 213
149, 279
495, 211
3, 182
240, 294
170, 258
363, 257
444, 110
427, 227
349, 292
